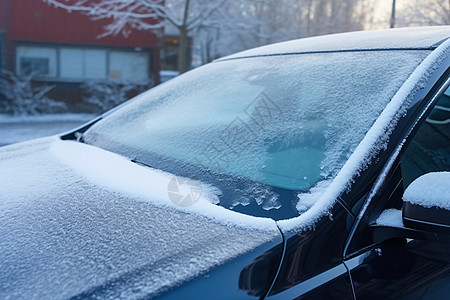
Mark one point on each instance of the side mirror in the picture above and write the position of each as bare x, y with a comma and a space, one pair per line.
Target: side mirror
425, 214
426, 203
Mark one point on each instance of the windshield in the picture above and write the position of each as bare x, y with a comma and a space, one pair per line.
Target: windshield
261, 129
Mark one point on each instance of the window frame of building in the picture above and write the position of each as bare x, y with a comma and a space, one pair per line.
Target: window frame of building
2, 49
73, 63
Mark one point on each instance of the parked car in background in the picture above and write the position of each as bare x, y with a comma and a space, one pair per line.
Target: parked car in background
165, 75
275, 173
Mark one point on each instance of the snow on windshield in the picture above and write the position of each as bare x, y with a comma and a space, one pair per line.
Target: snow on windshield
430, 190
145, 183
375, 140
286, 122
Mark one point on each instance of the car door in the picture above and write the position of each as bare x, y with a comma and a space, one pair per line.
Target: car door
403, 268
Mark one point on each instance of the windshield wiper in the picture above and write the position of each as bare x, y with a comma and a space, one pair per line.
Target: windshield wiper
142, 164
79, 136
77, 133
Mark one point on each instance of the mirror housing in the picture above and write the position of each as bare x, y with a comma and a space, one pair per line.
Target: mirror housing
425, 213
426, 203
433, 219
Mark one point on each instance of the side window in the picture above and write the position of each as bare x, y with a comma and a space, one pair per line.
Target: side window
429, 150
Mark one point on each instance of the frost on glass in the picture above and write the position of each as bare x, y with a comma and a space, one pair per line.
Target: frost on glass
307, 200
284, 122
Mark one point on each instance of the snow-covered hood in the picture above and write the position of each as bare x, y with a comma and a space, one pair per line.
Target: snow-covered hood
74, 218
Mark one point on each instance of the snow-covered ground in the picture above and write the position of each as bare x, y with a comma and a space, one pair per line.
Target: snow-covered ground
14, 129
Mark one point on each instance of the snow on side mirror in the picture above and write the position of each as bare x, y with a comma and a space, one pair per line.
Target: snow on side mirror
426, 203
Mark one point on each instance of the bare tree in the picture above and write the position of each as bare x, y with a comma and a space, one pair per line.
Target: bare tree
328, 16
126, 15
221, 27
424, 12
251, 23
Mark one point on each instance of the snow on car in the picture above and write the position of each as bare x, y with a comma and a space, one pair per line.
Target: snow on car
275, 173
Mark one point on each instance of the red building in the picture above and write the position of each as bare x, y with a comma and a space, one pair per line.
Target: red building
64, 47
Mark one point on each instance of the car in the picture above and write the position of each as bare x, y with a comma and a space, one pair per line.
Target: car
165, 75
310, 169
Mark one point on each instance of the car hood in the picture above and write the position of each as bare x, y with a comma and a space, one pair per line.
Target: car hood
72, 223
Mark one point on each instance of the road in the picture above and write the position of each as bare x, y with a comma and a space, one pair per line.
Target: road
14, 130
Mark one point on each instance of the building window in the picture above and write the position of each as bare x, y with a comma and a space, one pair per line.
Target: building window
37, 65
77, 64
40, 61
128, 65
2, 49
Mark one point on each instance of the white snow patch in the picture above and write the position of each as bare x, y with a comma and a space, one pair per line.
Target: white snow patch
390, 217
34, 169
307, 200
116, 173
375, 140
430, 190
262, 195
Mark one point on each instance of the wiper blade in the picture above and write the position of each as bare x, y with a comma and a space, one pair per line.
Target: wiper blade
79, 136
142, 164
77, 133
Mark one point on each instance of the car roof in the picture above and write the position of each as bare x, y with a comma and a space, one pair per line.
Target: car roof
398, 38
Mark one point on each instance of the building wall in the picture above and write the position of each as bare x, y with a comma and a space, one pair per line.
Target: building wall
2, 34
65, 48
34, 20
1, 14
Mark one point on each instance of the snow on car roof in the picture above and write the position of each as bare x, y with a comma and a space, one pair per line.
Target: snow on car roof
403, 38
